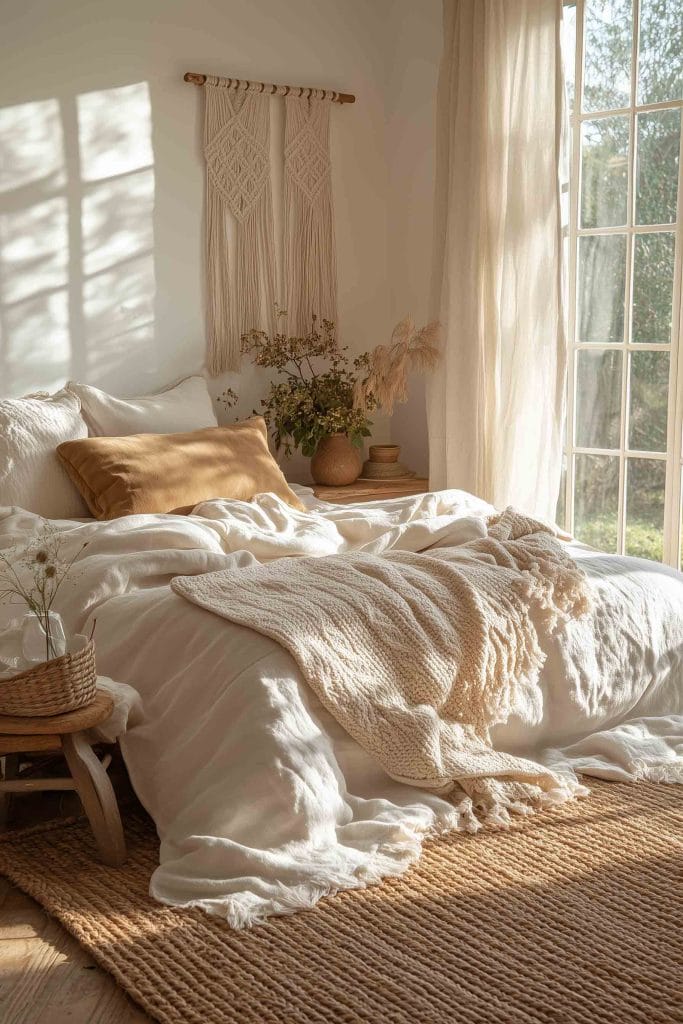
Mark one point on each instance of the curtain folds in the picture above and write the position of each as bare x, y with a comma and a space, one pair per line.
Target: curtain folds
496, 405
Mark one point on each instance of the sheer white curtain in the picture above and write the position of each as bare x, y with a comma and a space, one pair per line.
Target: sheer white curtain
496, 404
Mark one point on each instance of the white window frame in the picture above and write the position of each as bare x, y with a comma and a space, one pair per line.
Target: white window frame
674, 454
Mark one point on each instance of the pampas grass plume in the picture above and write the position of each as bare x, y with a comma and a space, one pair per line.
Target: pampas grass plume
409, 350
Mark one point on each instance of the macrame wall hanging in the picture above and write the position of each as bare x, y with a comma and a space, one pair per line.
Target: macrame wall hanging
237, 153
241, 293
310, 263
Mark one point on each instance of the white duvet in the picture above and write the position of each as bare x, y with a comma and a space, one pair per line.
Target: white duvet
263, 804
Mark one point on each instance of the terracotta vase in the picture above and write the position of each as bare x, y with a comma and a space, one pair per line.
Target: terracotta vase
336, 462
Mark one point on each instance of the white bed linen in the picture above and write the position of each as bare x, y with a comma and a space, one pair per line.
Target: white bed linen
262, 802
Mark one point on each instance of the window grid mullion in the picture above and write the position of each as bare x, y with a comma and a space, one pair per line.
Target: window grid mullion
617, 346
574, 193
629, 453
625, 229
673, 495
628, 287
639, 108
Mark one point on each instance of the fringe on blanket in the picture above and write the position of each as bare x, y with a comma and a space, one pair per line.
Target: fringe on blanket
494, 801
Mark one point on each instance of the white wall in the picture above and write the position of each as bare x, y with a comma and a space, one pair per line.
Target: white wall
101, 177
415, 50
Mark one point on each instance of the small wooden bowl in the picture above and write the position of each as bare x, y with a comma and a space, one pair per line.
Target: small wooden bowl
384, 452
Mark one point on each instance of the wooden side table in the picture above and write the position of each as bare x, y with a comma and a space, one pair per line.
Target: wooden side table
88, 774
372, 490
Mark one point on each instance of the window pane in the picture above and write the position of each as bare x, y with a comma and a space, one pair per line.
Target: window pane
649, 401
607, 67
653, 283
659, 138
604, 172
660, 62
602, 279
596, 500
645, 483
598, 399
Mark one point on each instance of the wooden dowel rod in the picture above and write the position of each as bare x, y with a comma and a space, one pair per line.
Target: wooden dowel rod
282, 90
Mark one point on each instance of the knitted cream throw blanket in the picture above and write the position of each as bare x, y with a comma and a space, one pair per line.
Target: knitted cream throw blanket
418, 655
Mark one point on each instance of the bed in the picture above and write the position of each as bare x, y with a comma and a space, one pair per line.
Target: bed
262, 802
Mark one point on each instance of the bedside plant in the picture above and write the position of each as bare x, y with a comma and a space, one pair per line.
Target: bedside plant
40, 674
410, 350
322, 399
37, 589
309, 403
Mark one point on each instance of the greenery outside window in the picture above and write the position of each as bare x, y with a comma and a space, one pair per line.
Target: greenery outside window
624, 461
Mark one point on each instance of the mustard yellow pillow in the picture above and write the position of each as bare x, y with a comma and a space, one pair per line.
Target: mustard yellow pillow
120, 476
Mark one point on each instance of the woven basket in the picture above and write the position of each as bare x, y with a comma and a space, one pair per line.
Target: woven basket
53, 687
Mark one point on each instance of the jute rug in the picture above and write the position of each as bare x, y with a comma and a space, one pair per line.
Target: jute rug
574, 916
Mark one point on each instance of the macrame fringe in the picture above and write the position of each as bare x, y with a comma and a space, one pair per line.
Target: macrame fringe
310, 267
237, 152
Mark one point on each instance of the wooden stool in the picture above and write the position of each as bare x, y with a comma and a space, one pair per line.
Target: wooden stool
88, 774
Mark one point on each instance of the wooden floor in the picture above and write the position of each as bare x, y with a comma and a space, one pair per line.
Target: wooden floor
45, 976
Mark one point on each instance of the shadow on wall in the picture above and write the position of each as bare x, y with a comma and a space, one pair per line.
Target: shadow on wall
77, 284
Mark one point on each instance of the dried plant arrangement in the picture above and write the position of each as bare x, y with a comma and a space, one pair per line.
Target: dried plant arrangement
409, 351
33, 576
314, 396
322, 391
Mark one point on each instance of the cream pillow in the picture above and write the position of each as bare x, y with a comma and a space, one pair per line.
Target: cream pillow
122, 476
181, 407
31, 475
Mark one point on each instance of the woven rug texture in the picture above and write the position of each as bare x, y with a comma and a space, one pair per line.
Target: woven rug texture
573, 916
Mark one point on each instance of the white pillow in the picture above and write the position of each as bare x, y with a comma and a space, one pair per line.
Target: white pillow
180, 408
31, 475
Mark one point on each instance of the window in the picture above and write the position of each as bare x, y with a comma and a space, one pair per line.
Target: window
622, 482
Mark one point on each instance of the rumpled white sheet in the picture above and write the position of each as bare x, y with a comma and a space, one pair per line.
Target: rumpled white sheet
262, 802
126, 713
